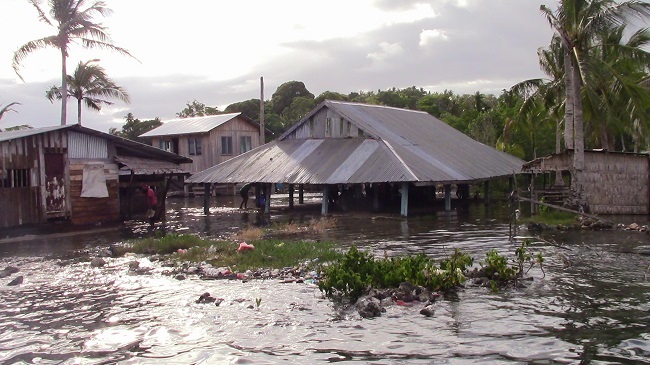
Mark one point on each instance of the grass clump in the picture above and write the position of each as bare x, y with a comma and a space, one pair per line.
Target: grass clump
552, 217
275, 254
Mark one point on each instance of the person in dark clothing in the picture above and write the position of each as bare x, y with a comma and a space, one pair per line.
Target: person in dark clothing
243, 192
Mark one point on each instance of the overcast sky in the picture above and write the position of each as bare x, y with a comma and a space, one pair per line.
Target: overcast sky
215, 51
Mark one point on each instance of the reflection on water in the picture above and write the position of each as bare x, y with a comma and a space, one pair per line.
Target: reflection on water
591, 303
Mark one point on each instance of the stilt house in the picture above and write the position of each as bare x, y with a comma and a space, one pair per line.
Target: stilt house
377, 148
75, 173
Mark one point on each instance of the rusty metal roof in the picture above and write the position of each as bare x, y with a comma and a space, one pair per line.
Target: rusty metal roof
124, 146
192, 125
404, 145
145, 166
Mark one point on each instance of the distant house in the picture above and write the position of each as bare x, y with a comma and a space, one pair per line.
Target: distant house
357, 147
76, 173
207, 140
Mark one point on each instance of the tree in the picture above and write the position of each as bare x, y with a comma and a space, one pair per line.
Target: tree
330, 95
249, 108
89, 84
73, 22
197, 109
285, 93
577, 22
133, 128
8, 108
299, 108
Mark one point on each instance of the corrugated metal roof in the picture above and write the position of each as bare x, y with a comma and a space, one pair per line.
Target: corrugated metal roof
190, 125
11, 135
126, 145
406, 145
144, 166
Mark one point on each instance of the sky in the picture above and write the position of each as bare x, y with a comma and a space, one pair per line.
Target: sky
215, 52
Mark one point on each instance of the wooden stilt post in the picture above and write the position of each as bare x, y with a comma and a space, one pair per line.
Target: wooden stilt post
447, 197
405, 199
486, 187
267, 198
325, 204
301, 194
206, 199
375, 196
290, 196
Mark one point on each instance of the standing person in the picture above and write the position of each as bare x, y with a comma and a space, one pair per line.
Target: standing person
243, 192
152, 202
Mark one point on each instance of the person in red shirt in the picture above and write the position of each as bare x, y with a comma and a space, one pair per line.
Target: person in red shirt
152, 202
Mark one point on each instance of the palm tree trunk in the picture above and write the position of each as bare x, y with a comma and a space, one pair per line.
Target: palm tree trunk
558, 148
79, 111
579, 141
568, 109
64, 86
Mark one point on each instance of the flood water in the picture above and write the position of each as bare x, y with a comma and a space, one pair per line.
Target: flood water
590, 304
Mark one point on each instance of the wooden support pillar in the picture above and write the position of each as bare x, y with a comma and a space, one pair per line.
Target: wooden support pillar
405, 199
206, 199
301, 194
511, 184
325, 204
258, 193
486, 187
448, 197
267, 198
533, 196
375, 196
290, 196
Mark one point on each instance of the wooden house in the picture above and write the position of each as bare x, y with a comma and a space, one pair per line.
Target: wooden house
207, 140
380, 149
614, 182
75, 173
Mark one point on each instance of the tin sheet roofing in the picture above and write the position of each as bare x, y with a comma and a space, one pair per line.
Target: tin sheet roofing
190, 125
126, 146
405, 145
145, 166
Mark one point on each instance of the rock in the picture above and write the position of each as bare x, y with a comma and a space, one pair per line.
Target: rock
218, 301
427, 311
97, 262
180, 277
206, 298
369, 307
633, 227
8, 271
16, 281
134, 265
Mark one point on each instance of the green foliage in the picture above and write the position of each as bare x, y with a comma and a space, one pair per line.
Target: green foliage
286, 93
330, 95
133, 128
358, 270
501, 271
197, 109
249, 108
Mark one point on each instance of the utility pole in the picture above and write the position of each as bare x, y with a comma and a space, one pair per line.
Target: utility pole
262, 137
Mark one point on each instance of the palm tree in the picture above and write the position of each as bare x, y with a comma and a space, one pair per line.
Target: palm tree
8, 108
577, 22
73, 22
89, 84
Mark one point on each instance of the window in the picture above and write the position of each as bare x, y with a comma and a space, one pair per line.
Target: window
245, 144
328, 127
165, 145
226, 145
15, 178
194, 145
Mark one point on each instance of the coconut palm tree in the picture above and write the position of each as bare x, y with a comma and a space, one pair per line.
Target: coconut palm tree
73, 21
8, 108
577, 22
89, 84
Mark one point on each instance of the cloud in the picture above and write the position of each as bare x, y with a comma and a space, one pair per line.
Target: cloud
387, 50
431, 35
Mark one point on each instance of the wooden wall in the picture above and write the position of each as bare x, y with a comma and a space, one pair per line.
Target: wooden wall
94, 210
211, 143
26, 205
617, 183
326, 123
